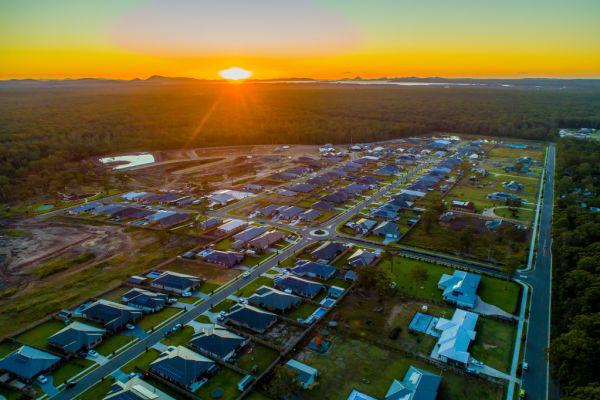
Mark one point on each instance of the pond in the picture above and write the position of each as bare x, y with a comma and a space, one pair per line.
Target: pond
128, 161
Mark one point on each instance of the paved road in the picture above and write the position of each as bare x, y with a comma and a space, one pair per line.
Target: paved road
536, 381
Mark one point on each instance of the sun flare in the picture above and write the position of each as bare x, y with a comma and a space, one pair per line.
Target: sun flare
235, 73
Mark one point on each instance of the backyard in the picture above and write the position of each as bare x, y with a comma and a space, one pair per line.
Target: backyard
494, 343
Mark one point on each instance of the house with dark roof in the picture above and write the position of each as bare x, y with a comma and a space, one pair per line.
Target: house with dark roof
310, 215
250, 233
266, 240
272, 299
310, 269
363, 225
145, 300
28, 362
267, 211
384, 213
323, 206
114, 316
368, 180
298, 286
357, 188
467, 206
77, 336
303, 188
460, 288
289, 212
251, 317
135, 389
182, 367
361, 258
211, 223
218, 342
328, 251
175, 282
387, 170
388, 229
227, 259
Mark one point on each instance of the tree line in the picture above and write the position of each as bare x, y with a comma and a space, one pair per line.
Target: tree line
574, 348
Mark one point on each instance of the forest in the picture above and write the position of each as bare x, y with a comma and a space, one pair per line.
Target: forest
574, 351
45, 133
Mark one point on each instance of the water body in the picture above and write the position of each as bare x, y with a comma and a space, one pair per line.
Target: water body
128, 161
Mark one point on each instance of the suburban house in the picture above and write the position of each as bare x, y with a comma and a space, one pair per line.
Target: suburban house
309, 215
417, 384
361, 258
456, 335
289, 212
323, 205
228, 259
251, 317
363, 225
145, 300
175, 282
225, 196
182, 366
240, 239
328, 251
218, 342
211, 223
513, 185
350, 276
302, 188
305, 374
267, 211
113, 315
28, 362
231, 226
446, 218
264, 241
466, 206
460, 288
135, 389
298, 286
273, 300
312, 269
77, 336
387, 229
502, 196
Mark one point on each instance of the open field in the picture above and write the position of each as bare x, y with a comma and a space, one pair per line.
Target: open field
39, 335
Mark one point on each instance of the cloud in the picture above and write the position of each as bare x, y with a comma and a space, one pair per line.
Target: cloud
234, 27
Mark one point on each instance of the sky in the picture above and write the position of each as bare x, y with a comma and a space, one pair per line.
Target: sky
328, 39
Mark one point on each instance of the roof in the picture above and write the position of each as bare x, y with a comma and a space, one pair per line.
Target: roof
144, 298
266, 239
76, 336
290, 211
270, 298
135, 389
305, 372
298, 286
228, 258
232, 225
387, 228
456, 335
181, 365
328, 250
416, 385
114, 315
313, 269
250, 233
356, 395
28, 362
361, 258
251, 317
460, 287
218, 341
310, 215
176, 280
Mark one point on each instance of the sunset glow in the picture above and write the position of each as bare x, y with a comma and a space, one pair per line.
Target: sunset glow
235, 74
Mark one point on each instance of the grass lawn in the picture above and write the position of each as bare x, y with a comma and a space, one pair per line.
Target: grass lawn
113, 343
10, 394
523, 214
251, 261
225, 379
7, 347
188, 300
224, 244
180, 337
499, 292
98, 391
203, 319
39, 335
151, 320
142, 362
225, 305
339, 282
260, 357
70, 369
344, 368
257, 396
303, 311
251, 287
208, 287
494, 343
117, 294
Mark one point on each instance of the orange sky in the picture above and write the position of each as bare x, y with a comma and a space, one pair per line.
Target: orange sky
280, 38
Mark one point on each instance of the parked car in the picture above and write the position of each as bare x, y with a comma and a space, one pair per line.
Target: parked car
92, 353
177, 327
186, 294
130, 327
246, 274
172, 300
42, 379
525, 366
477, 363
243, 300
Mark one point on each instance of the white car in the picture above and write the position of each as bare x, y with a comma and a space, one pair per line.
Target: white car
243, 300
186, 294
130, 327
92, 354
246, 274
42, 379
525, 366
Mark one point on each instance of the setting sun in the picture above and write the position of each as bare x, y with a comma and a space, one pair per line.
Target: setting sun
235, 73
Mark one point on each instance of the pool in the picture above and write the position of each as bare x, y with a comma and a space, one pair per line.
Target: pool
319, 312
153, 275
420, 322
327, 302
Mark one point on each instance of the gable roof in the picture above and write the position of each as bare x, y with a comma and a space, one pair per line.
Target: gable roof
76, 336
456, 335
251, 317
416, 385
328, 250
176, 280
250, 233
266, 239
361, 258
298, 286
460, 287
305, 372
114, 315
270, 298
217, 341
313, 269
144, 298
181, 365
28, 362
135, 389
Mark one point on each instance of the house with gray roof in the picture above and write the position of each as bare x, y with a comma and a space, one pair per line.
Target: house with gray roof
298, 286
274, 300
310, 215
250, 233
77, 336
328, 251
145, 300
289, 212
135, 389
183, 366
251, 317
416, 385
266, 240
455, 338
228, 259
27, 362
361, 258
175, 282
388, 229
312, 269
218, 342
267, 211
114, 316
460, 288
